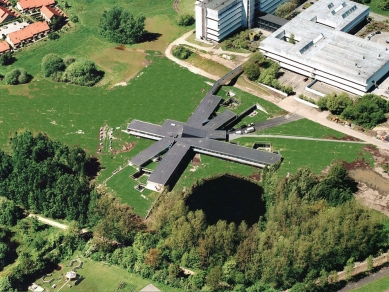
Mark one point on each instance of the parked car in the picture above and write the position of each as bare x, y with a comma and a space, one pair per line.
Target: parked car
249, 130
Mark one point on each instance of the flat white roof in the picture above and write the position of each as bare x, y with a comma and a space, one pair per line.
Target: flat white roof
329, 49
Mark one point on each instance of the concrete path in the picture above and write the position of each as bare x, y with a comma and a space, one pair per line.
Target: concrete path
234, 136
288, 103
271, 123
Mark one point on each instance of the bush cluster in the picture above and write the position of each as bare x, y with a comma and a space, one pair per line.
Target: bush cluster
84, 73
185, 20
181, 52
241, 41
265, 71
17, 76
368, 111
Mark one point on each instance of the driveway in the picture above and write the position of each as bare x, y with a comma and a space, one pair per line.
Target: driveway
12, 27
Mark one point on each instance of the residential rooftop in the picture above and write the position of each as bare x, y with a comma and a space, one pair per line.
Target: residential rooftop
4, 47
28, 32
28, 4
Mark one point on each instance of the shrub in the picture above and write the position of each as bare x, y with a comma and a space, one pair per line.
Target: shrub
6, 59
82, 73
185, 20
181, 52
51, 64
384, 5
53, 36
74, 18
120, 26
287, 89
16, 76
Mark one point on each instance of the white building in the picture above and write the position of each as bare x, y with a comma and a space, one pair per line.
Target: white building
215, 19
325, 51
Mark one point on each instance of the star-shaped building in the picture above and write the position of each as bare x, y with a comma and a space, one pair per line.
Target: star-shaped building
200, 134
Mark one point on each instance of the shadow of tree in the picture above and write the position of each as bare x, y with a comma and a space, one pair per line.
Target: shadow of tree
150, 37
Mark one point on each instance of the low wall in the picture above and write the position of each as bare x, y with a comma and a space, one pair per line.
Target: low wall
275, 90
309, 89
305, 102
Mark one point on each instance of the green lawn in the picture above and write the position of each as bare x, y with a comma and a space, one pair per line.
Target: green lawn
304, 128
374, 8
376, 286
99, 276
316, 155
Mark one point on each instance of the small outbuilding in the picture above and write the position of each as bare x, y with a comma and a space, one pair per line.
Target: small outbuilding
72, 275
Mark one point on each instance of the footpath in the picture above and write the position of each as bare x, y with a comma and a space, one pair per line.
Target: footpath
288, 104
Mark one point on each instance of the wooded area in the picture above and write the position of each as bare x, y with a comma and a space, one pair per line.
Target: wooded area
312, 226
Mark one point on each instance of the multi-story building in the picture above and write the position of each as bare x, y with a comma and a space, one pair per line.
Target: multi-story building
215, 19
322, 48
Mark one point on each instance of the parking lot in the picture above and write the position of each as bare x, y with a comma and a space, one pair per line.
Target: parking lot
11, 27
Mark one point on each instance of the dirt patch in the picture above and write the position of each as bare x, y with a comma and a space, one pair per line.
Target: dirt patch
121, 47
372, 198
345, 138
356, 164
255, 176
125, 148
372, 179
196, 160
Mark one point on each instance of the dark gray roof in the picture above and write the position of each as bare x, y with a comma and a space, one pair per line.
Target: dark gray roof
206, 107
167, 129
154, 150
188, 132
220, 120
274, 19
236, 151
217, 135
169, 164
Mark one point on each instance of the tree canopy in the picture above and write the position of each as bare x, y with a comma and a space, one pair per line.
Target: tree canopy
83, 73
120, 26
17, 76
52, 63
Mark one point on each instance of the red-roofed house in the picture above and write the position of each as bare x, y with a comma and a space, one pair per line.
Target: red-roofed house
4, 47
49, 13
5, 3
30, 5
31, 33
6, 15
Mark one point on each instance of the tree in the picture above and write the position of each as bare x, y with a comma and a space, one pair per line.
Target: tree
5, 284
51, 64
292, 39
153, 258
369, 262
214, 277
9, 213
120, 26
74, 18
185, 19
252, 71
16, 76
384, 5
6, 59
84, 73
181, 52
53, 36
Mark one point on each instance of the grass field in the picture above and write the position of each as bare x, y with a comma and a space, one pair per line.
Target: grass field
99, 276
187, 6
316, 155
376, 286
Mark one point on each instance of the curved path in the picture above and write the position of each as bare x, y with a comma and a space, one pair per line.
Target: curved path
288, 103
53, 223
175, 6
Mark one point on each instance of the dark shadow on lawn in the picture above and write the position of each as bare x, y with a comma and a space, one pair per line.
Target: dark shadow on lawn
150, 37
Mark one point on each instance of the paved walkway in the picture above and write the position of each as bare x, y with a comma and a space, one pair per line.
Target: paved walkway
288, 103
234, 136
